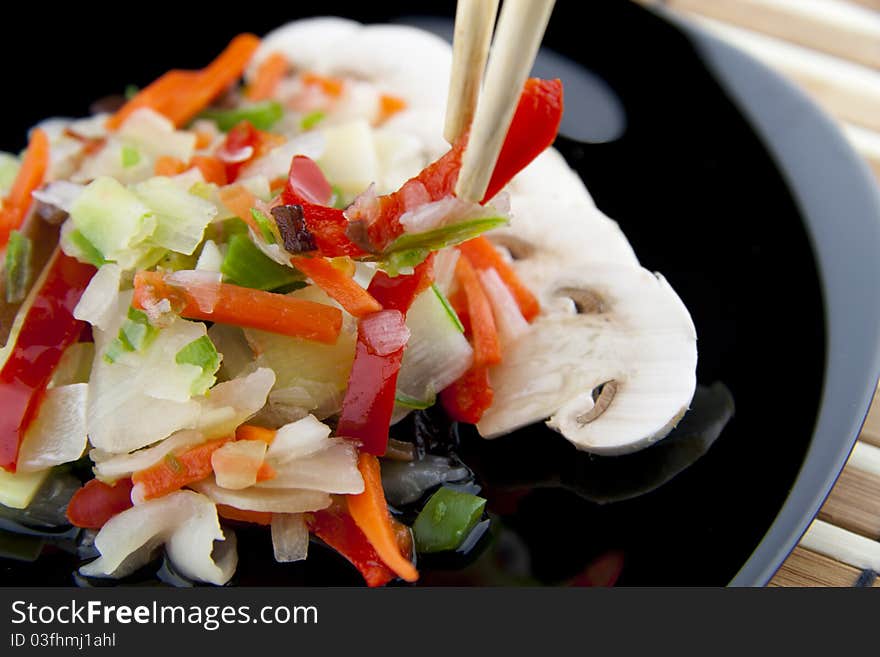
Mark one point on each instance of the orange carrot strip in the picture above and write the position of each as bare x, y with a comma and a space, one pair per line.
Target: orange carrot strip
176, 471
338, 285
330, 86
269, 73
242, 306
30, 176
389, 106
370, 513
180, 95
482, 255
243, 515
253, 432
166, 165
266, 472
213, 170
240, 201
204, 138
484, 333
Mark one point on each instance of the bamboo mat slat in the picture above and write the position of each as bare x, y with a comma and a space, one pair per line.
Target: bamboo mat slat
831, 49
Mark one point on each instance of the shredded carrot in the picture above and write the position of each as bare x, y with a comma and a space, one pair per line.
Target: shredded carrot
370, 512
213, 170
30, 176
240, 201
181, 95
243, 515
253, 432
482, 255
266, 472
389, 106
332, 87
269, 73
166, 165
242, 306
338, 285
204, 138
176, 471
484, 333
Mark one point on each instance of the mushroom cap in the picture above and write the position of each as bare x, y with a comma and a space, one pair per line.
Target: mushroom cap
612, 364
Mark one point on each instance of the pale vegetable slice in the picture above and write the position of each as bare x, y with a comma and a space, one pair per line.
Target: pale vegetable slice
184, 521
332, 470
181, 217
211, 257
290, 537
297, 440
99, 303
227, 405
153, 134
350, 160
17, 489
616, 373
236, 464
270, 500
58, 433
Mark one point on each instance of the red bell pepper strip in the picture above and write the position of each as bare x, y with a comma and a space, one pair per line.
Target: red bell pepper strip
30, 176
467, 398
533, 128
49, 328
369, 398
96, 502
337, 529
305, 184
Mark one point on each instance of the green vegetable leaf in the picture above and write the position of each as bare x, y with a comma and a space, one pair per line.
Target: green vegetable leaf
446, 520
130, 156
202, 354
245, 265
17, 267
413, 402
432, 240
262, 115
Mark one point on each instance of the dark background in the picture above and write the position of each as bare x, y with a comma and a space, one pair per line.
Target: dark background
691, 185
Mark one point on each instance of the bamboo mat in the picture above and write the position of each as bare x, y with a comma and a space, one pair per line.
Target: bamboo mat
831, 49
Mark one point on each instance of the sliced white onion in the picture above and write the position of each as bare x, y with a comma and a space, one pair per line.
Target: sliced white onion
60, 194
236, 464
270, 500
445, 261
384, 332
58, 433
297, 440
231, 403
110, 467
203, 286
99, 304
434, 215
508, 317
332, 470
290, 537
242, 154
184, 521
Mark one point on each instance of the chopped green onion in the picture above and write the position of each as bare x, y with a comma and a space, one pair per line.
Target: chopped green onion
413, 402
446, 520
131, 90
265, 226
438, 238
245, 265
135, 334
448, 307
203, 354
17, 266
402, 262
312, 119
261, 115
130, 156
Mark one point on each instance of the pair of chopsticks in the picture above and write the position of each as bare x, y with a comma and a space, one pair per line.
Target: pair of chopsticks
488, 111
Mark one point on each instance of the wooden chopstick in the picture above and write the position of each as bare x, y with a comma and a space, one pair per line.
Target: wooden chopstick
474, 23
521, 27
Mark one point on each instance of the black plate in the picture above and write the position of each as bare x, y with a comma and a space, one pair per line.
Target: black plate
727, 181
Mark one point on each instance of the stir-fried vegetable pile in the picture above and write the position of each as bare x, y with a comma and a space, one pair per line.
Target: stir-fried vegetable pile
250, 287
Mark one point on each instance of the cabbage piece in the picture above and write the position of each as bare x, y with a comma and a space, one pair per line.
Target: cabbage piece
236, 464
227, 405
298, 439
278, 500
333, 470
181, 217
290, 537
184, 521
99, 303
58, 433
154, 135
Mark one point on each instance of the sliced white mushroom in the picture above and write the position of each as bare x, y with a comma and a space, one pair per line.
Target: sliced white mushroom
614, 372
184, 521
